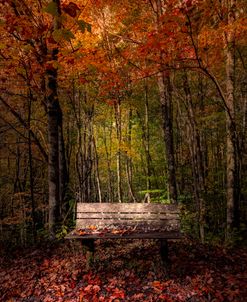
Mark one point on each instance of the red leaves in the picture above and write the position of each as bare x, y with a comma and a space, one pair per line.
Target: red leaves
71, 9
125, 272
117, 294
94, 230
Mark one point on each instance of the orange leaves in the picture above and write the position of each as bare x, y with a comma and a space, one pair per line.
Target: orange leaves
157, 284
92, 227
117, 294
82, 233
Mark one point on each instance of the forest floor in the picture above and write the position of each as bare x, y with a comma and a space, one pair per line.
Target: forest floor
124, 271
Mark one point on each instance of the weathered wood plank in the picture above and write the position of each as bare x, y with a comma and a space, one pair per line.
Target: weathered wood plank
126, 207
126, 216
151, 235
84, 223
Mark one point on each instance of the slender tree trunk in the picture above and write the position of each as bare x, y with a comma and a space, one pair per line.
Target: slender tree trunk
96, 163
231, 139
197, 159
108, 160
53, 145
89, 157
166, 106
165, 92
128, 158
119, 141
53, 111
63, 173
147, 140
30, 156
17, 183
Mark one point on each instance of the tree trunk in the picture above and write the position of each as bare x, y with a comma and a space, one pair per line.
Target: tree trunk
119, 141
96, 164
196, 158
146, 140
231, 139
30, 157
128, 158
63, 172
53, 111
165, 96
166, 106
108, 150
53, 146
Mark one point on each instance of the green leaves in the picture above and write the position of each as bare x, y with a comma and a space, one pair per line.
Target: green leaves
71, 10
62, 34
83, 26
51, 9
2, 22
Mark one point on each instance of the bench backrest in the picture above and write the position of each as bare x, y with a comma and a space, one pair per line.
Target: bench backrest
160, 216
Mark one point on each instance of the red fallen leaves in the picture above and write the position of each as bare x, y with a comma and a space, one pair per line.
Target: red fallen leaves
117, 294
115, 230
89, 292
99, 231
125, 271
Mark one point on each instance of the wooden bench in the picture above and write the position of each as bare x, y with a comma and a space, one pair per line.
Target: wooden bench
126, 221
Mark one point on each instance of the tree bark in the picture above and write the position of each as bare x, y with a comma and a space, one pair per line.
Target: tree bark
119, 140
30, 160
165, 96
195, 147
231, 135
53, 146
54, 112
96, 163
166, 107
129, 172
147, 140
108, 150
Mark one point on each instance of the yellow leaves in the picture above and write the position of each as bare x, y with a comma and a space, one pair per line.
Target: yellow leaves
127, 150
20, 71
210, 37
214, 36
2, 46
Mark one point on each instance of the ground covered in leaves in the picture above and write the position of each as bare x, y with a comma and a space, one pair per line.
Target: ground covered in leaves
124, 271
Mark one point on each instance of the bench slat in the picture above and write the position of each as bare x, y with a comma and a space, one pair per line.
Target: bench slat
130, 216
150, 235
84, 223
126, 207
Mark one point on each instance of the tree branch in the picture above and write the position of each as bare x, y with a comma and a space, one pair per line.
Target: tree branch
22, 121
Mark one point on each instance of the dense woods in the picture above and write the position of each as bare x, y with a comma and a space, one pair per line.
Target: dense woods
122, 101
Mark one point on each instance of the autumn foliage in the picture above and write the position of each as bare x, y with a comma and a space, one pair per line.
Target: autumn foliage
125, 272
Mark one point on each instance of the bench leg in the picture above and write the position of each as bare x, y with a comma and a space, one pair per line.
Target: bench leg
164, 250
90, 249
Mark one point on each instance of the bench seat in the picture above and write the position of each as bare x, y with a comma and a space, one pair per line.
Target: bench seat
134, 235
126, 221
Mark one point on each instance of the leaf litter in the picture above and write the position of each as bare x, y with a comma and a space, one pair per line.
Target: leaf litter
124, 270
